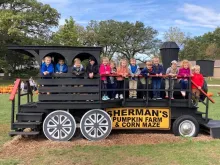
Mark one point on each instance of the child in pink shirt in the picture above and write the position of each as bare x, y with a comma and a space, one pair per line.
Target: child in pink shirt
104, 69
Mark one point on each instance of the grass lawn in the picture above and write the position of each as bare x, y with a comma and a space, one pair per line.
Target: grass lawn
185, 152
215, 81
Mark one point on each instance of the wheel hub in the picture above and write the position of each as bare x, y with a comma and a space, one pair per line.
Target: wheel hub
95, 125
187, 128
59, 126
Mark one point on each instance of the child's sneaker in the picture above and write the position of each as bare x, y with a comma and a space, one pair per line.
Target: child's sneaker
172, 98
154, 98
166, 97
104, 98
107, 97
116, 96
121, 96
159, 98
183, 93
134, 97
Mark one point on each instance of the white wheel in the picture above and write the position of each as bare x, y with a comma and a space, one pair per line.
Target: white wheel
59, 126
187, 128
96, 125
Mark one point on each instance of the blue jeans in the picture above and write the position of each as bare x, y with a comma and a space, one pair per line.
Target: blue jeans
183, 84
112, 86
156, 87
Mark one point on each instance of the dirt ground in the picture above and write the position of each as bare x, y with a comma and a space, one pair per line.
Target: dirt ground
27, 146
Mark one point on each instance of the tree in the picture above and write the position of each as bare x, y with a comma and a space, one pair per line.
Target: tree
212, 51
69, 34
24, 22
176, 35
122, 38
135, 38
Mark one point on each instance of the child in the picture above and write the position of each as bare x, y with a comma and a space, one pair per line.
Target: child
172, 72
78, 69
156, 81
122, 72
184, 72
147, 71
47, 66
104, 69
134, 71
112, 80
61, 67
198, 79
91, 68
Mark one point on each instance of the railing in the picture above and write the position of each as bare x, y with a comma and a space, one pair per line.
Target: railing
17, 88
147, 90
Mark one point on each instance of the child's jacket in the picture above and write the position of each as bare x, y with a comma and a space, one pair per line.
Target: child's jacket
134, 70
172, 71
121, 71
184, 72
145, 72
103, 69
92, 69
78, 70
157, 70
198, 80
48, 68
61, 68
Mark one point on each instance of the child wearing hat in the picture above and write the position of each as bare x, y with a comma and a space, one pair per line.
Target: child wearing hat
172, 72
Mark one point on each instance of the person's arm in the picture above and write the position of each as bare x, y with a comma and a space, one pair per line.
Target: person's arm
153, 71
65, 68
101, 70
96, 69
56, 68
50, 69
74, 71
180, 72
138, 71
87, 70
161, 69
168, 71
201, 81
119, 73
82, 71
43, 68
129, 70
143, 71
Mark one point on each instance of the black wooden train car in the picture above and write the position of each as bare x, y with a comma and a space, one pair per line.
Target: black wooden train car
66, 103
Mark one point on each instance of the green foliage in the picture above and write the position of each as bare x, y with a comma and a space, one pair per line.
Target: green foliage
206, 46
123, 38
24, 22
68, 34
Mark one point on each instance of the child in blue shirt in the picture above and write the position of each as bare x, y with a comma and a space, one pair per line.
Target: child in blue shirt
61, 67
156, 81
134, 71
47, 67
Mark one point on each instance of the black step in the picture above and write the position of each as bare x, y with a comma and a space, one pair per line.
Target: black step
198, 112
12, 133
26, 124
29, 116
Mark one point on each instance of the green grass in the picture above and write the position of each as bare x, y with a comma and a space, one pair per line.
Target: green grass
215, 81
186, 152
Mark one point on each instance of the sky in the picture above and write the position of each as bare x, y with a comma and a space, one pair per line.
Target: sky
195, 17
